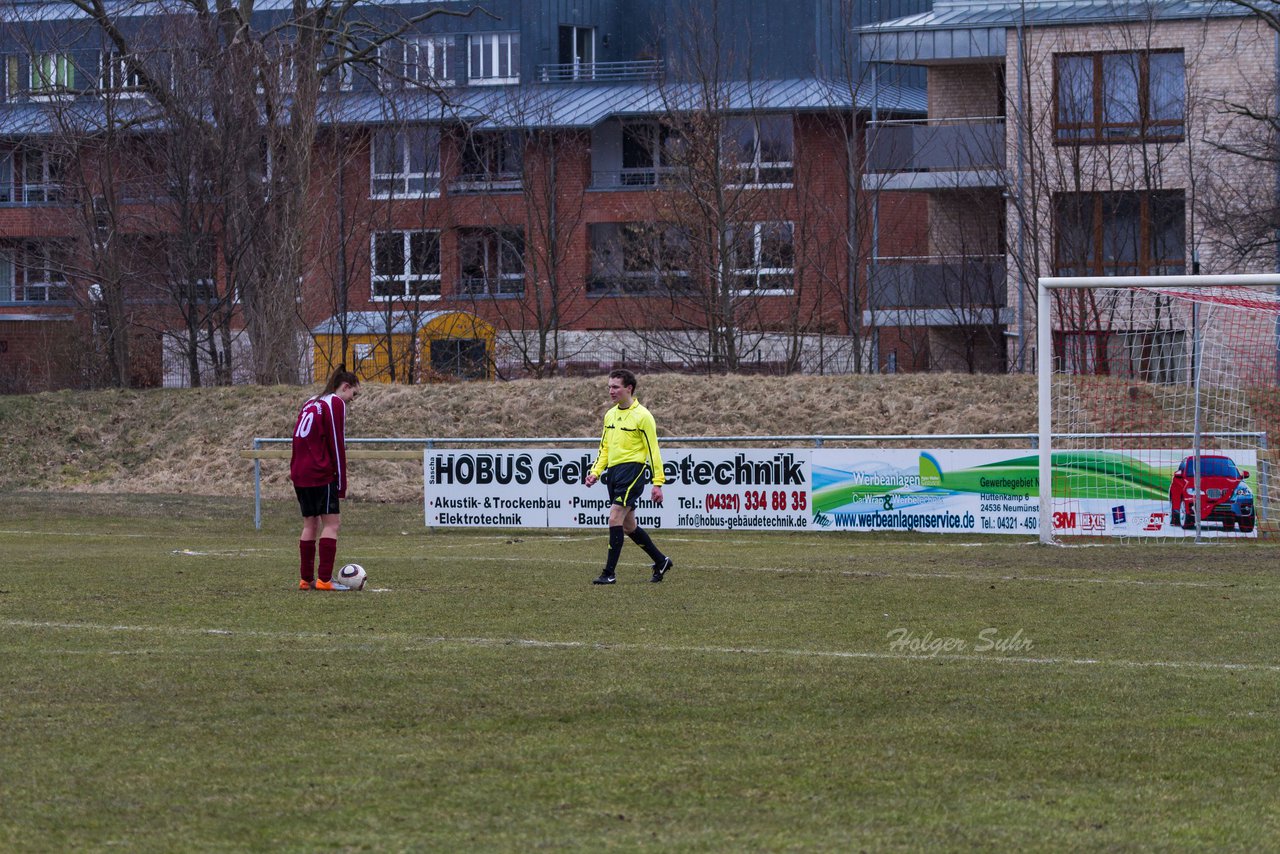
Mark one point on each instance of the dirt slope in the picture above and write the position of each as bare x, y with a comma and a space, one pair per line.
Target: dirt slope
186, 440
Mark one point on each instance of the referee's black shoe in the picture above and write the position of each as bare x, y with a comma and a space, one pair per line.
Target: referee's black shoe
605, 578
660, 569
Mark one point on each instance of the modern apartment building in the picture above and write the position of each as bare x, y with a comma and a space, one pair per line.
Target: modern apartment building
1071, 139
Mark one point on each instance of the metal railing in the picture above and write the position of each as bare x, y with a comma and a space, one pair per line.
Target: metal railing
590, 72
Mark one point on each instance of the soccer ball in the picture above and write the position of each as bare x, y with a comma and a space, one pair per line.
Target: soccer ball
352, 575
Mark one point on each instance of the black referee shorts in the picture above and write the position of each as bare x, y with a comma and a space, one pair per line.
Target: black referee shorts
626, 481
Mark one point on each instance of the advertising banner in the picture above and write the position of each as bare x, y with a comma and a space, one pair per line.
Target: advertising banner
758, 489
996, 491
942, 491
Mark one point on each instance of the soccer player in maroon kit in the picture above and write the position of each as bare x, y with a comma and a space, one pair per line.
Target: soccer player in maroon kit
318, 470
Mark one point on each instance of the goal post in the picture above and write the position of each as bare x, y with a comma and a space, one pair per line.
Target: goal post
1137, 373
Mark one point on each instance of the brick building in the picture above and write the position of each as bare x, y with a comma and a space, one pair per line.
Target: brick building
819, 186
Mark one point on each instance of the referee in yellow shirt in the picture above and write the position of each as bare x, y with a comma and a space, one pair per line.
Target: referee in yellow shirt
629, 458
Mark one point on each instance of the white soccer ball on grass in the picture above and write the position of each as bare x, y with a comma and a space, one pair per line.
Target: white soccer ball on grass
352, 575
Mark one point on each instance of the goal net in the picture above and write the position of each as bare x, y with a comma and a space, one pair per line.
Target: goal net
1156, 395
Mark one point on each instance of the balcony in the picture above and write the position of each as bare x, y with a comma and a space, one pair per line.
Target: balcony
639, 178
498, 182
935, 154
601, 72
937, 291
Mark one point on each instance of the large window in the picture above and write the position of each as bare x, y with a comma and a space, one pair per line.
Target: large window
645, 153
1120, 234
50, 74
577, 53
491, 160
417, 61
494, 58
406, 265
42, 176
11, 77
762, 148
406, 161
1131, 96
40, 272
638, 258
763, 258
492, 261
118, 75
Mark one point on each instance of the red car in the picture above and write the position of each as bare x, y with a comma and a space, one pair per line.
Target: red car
1224, 497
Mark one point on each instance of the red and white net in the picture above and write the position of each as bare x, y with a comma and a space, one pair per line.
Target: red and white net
1144, 375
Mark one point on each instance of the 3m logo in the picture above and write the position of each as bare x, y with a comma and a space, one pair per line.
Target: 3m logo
1093, 523
1156, 522
1062, 519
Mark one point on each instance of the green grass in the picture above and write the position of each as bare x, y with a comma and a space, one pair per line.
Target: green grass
164, 688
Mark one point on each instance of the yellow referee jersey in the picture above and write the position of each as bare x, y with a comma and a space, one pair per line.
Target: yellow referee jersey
630, 436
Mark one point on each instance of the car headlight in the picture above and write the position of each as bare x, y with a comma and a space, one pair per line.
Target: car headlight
1242, 491
1191, 492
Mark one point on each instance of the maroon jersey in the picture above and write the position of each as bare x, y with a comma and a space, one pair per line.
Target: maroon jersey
319, 444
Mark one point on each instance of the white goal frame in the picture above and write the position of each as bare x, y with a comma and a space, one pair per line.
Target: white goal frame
1044, 353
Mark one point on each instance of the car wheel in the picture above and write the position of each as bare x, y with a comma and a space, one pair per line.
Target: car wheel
1175, 516
1246, 527
1189, 519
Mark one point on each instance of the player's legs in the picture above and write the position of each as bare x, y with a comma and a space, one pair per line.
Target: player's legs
328, 545
319, 538
639, 536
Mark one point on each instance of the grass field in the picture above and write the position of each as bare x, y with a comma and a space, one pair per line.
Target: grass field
163, 687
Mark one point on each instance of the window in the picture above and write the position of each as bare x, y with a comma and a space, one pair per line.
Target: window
491, 161
117, 75
417, 61
467, 358
6, 277
41, 273
339, 77
6, 178
638, 258
763, 258
51, 73
41, 176
761, 147
492, 261
1119, 234
406, 265
577, 53
494, 58
1132, 96
12, 81
191, 268
406, 162
645, 153
426, 59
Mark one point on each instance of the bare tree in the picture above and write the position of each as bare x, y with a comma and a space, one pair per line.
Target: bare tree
521, 267
257, 121
711, 155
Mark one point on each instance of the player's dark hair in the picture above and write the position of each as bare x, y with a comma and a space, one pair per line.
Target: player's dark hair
340, 375
628, 378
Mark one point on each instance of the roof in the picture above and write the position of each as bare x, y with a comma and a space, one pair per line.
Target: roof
506, 107
376, 322
538, 106
1009, 13
958, 31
